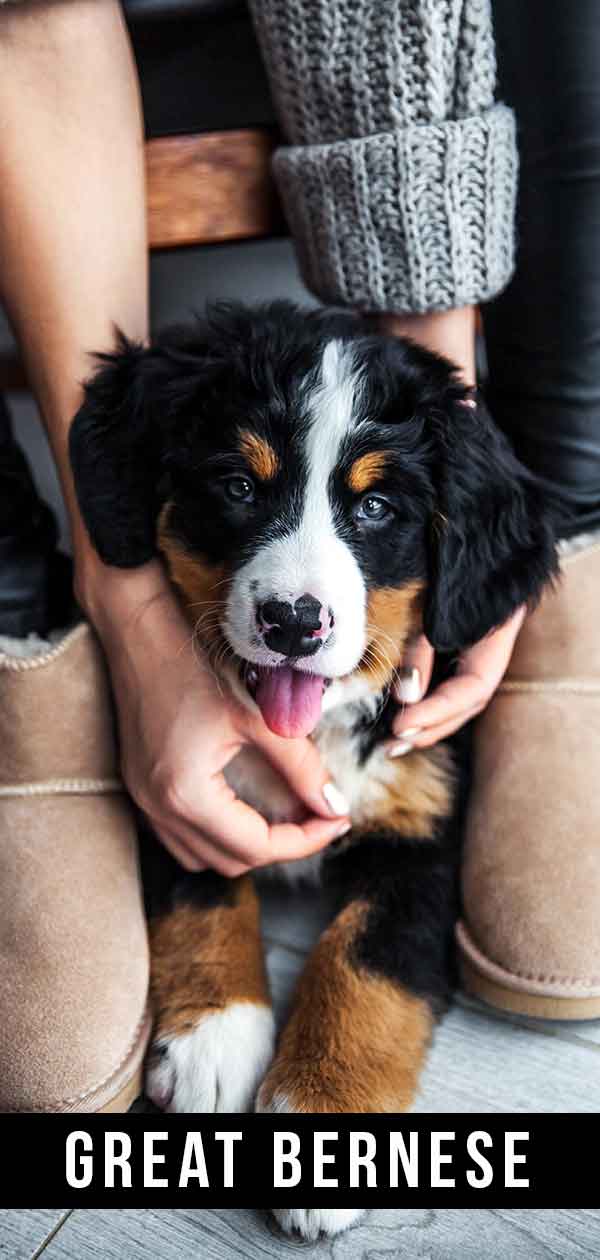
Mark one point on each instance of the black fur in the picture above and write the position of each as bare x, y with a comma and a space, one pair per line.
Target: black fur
167, 885
467, 520
494, 545
411, 888
152, 416
162, 423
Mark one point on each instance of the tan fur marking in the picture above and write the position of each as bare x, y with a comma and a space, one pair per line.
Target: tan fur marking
393, 617
203, 587
202, 960
367, 470
260, 455
354, 1041
419, 794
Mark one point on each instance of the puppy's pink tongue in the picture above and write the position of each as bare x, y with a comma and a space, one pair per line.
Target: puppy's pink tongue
289, 700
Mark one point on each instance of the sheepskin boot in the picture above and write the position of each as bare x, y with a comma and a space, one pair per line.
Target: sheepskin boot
530, 935
73, 948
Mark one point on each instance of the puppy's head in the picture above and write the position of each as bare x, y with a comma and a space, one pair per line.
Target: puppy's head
319, 495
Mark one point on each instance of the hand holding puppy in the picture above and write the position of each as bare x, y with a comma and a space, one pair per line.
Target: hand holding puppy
422, 722
178, 731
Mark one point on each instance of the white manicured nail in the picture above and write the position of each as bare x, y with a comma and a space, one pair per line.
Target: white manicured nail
408, 687
411, 732
400, 749
343, 831
335, 799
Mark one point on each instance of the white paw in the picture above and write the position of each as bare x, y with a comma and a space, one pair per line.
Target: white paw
218, 1066
310, 1222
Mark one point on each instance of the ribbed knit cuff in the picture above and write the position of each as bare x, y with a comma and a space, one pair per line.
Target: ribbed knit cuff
417, 219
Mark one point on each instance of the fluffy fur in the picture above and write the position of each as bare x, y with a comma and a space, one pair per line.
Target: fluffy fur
320, 495
155, 426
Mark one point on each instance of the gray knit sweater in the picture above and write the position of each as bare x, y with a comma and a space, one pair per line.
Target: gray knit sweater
399, 177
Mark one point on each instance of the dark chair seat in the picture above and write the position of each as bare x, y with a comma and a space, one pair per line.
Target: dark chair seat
200, 67
157, 10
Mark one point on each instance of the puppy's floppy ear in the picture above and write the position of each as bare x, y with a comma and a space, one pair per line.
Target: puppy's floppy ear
115, 444
492, 540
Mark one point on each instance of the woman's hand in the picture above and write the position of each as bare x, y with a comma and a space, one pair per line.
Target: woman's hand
178, 731
421, 723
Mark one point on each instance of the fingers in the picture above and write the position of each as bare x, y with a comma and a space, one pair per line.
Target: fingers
417, 667
181, 852
299, 762
221, 832
291, 841
454, 702
456, 696
257, 842
432, 734
196, 850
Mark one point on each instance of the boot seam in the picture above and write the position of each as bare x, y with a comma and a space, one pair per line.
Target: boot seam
497, 971
61, 787
101, 1084
60, 1104
23, 664
573, 686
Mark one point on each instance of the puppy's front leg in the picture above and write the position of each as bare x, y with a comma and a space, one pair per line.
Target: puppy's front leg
214, 1028
365, 1006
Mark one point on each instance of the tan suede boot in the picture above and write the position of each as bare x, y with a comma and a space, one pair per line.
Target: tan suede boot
530, 935
73, 947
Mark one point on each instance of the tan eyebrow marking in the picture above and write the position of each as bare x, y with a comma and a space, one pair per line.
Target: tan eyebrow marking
366, 470
260, 455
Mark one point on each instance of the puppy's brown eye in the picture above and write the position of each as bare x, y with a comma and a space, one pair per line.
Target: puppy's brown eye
239, 489
373, 508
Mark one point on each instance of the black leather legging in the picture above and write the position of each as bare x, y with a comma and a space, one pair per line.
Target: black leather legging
543, 332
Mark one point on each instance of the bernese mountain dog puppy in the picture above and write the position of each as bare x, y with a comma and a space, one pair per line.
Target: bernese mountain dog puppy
320, 495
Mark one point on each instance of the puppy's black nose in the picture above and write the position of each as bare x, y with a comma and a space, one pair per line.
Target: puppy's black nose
294, 629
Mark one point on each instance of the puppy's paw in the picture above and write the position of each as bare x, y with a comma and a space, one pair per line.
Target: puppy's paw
310, 1222
309, 1087
216, 1066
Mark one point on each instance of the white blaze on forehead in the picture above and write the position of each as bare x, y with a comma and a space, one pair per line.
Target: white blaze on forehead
313, 559
332, 405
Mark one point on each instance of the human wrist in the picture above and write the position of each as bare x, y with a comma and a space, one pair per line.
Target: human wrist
451, 333
114, 598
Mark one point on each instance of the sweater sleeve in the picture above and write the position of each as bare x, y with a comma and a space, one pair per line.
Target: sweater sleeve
399, 175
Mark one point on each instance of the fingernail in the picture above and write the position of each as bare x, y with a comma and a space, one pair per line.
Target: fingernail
408, 686
343, 831
335, 799
411, 732
400, 749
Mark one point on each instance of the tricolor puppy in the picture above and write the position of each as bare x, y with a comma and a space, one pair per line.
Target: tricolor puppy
320, 495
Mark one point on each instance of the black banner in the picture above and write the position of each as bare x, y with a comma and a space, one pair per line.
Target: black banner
289, 1160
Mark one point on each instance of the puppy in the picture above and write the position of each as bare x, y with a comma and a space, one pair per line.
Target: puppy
320, 496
